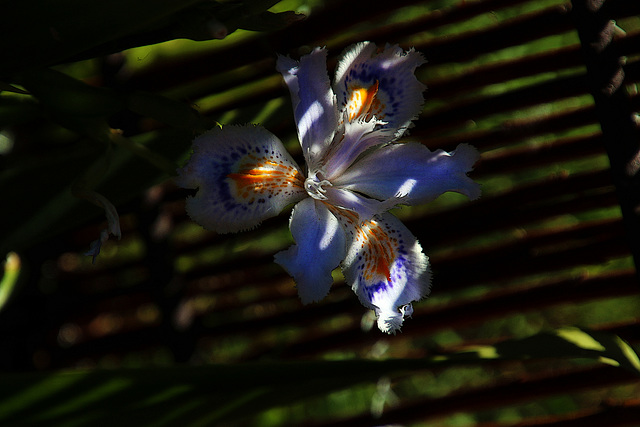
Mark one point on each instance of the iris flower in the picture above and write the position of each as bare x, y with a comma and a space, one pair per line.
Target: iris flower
356, 171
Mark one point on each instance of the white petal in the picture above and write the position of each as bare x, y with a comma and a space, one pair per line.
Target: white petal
314, 103
413, 172
319, 248
243, 175
385, 267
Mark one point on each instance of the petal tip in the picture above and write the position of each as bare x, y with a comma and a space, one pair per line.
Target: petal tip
467, 156
391, 321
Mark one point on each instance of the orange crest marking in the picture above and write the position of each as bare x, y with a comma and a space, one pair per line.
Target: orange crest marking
378, 248
361, 101
257, 176
381, 254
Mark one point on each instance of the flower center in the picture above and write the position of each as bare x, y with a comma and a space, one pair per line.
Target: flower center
314, 187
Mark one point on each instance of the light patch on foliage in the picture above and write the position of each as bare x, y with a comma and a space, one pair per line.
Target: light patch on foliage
580, 338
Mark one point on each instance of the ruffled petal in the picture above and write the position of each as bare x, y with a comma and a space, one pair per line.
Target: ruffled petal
380, 85
412, 172
314, 104
319, 248
385, 267
243, 175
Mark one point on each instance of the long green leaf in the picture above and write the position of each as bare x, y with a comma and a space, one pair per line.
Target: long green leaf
9, 277
46, 32
41, 33
207, 395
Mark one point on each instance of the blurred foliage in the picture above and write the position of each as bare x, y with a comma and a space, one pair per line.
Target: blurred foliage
75, 144
232, 394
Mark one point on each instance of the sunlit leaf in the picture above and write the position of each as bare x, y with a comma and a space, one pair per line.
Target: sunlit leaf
10, 88
9, 278
569, 342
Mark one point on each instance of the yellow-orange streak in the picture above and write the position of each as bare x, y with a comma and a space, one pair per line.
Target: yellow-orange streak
381, 250
256, 177
363, 99
371, 234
